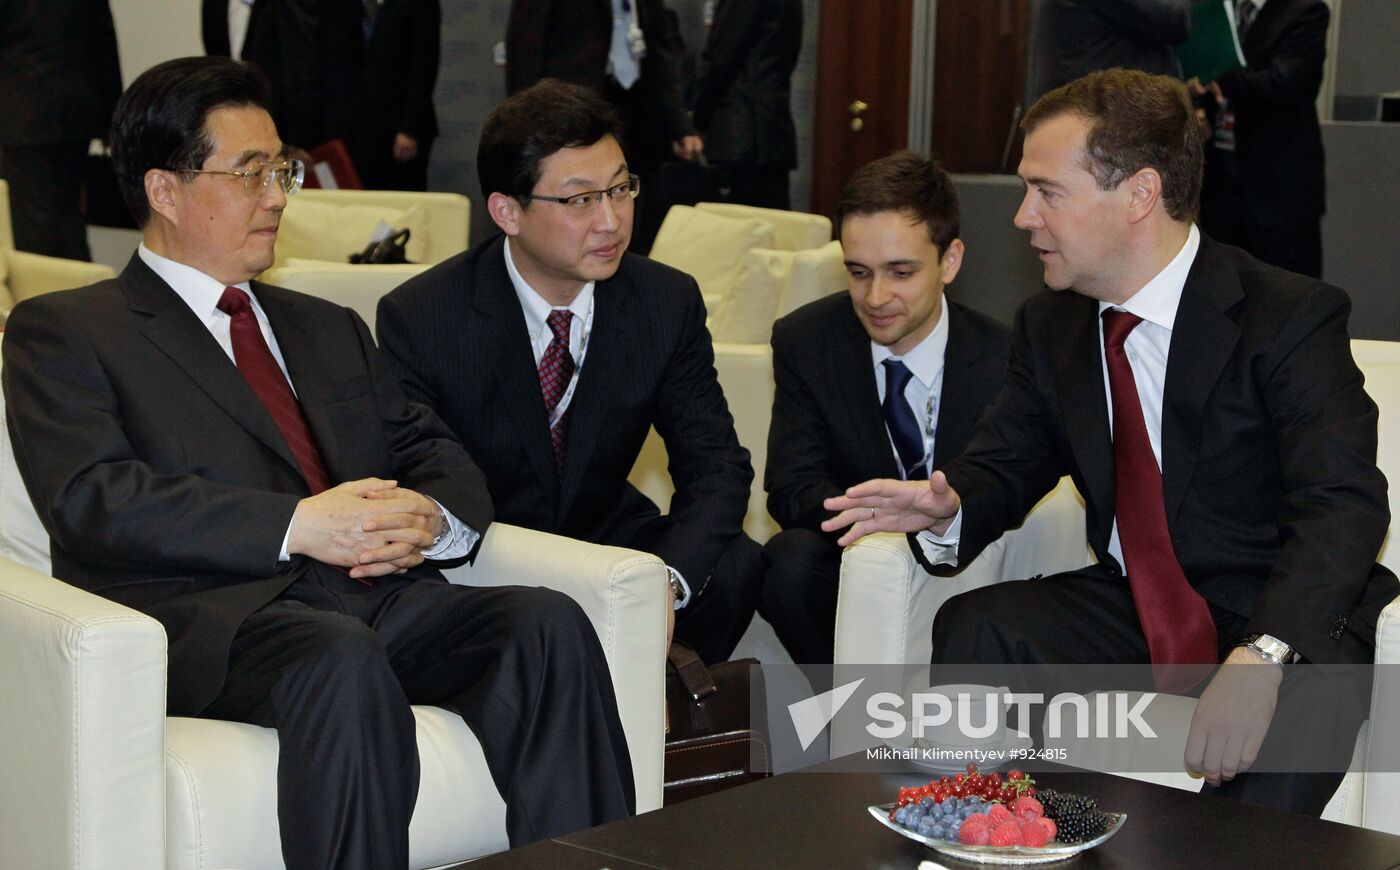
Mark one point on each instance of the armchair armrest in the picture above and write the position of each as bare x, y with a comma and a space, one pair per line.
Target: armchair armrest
624, 593
34, 274
1381, 807
82, 728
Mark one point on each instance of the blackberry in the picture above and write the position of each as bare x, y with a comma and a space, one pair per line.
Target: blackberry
1077, 817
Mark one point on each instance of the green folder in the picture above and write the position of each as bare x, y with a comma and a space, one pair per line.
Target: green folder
1213, 48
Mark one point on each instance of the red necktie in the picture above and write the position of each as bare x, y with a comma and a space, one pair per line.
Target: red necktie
556, 369
1175, 618
260, 370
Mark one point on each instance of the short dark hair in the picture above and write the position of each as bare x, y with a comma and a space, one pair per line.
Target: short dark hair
905, 182
1136, 121
159, 123
533, 124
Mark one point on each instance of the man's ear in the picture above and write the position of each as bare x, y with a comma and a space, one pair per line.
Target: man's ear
505, 211
163, 193
951, 261
1144, 193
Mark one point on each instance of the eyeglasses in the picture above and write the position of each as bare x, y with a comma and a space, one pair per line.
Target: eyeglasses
287, 173
582, 203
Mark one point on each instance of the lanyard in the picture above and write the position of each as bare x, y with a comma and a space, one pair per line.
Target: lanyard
558, 413
930, 417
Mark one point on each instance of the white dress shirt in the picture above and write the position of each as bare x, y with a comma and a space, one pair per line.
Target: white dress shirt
925, 361
201, 293
1147, 348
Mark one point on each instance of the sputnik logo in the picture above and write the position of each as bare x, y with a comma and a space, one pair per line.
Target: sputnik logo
811, 715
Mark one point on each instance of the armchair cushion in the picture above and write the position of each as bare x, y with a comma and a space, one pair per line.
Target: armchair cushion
708, 246
769, 284
792, 230
318, 230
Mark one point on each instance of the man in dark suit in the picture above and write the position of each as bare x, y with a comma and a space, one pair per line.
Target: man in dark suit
1077, 37
1265, 181
1209, 411
551, 352
871, 383
396, 123
311, 52
742, 102
626, 52
230, 458
59, 80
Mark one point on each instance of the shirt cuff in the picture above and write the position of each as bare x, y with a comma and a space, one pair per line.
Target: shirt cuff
942, 549
682, 600
458, 541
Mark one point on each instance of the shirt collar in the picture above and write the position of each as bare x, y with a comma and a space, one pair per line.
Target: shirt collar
926, 358
198, 290
1159, 298
535, 306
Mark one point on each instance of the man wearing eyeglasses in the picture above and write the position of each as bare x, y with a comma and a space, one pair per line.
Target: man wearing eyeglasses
551, 352
230, 458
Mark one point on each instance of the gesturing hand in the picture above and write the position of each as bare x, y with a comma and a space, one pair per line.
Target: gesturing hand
372, 527
893, 506
1232, 717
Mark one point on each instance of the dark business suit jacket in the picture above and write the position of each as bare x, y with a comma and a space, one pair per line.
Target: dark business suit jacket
743, 96
1084, 36
456, 337
1273, 500
59, 74
828, 430
163, 482
310, 51
1278, 142
570, 40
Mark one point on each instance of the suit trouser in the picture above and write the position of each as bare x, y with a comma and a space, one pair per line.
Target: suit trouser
46, 184
334, 665
800, 591
1088, 617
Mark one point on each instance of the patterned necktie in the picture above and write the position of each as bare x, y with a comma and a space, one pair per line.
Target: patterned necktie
1245, 11
259, 368
1175, 618
556, 368
904, 428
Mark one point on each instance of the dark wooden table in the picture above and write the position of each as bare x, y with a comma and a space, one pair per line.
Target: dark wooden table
818, 819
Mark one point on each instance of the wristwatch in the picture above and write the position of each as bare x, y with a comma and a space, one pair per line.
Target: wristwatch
678, 587
1269, 647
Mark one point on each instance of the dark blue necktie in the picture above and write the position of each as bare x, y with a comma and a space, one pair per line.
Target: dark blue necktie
904, 428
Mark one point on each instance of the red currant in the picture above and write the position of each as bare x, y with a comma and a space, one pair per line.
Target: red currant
971, 767
1015, 774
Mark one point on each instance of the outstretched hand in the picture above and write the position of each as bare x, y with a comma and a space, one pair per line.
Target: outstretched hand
893, 506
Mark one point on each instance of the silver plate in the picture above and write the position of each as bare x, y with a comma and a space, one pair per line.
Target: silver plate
1050, 853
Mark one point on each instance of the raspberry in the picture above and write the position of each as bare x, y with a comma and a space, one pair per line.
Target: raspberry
998, 813
975, 835
1034, 835
1027, 807
1048, 824
1008, 833
977, 820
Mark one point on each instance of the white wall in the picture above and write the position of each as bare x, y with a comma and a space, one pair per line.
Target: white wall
151, 31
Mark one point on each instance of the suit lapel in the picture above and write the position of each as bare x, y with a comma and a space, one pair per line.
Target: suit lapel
180, 335
848, 368
506, 353
1203, 338
605, 360
1078, 370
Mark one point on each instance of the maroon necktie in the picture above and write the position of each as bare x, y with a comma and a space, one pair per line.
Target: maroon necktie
1175, 618
260, 370
556, 368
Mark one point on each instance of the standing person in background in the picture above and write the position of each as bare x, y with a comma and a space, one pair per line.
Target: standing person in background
742, 102
1084, 36
396, 121
310, 51
1264, 186
59, 81
624, 51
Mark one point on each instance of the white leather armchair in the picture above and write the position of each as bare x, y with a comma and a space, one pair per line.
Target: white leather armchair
332, 224
355, 286
97, 776
887, 603
23, 274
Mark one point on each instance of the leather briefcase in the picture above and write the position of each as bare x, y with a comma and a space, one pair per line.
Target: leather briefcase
714, 741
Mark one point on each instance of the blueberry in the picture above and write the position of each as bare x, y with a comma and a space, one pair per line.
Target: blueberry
901, 816
928, 802
926, 828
